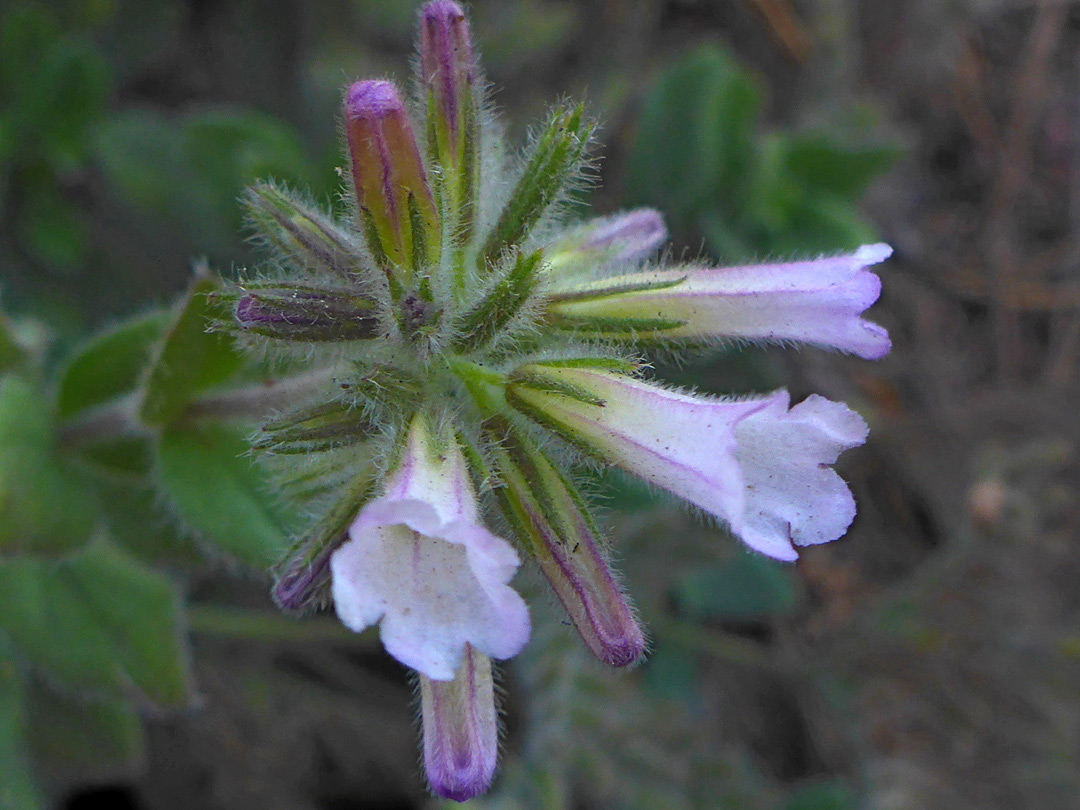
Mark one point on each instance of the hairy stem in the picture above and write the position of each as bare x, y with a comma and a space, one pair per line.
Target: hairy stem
120, 417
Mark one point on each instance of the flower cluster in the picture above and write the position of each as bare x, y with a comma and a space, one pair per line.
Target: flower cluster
481, 347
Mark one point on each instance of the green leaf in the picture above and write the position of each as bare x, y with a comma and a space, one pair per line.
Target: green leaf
45, 508
51, 228
121, 472
190, 169
218, 492
695, 135
671, 674
11, 352
192, 360
97, 622
81, 736
822, 796
109, 365
821, 162
746, 586
17, 788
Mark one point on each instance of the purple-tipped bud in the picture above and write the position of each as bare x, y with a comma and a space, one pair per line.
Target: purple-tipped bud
305, 583
396, 205
307, 314
446, 60
302, 577
449, 75
460, 732
625, 237
564, 542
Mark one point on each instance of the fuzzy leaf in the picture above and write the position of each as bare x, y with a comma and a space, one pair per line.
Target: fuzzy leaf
17, 788
45, 509
695, 135
80, 736
99, 622
192, 359
218, 492
109, 365
846, 171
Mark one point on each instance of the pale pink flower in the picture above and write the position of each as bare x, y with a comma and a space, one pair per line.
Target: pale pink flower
754, 464
419, 560
816, 301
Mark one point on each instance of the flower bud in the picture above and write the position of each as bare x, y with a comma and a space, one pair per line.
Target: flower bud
551, 515
302, 578
397, 209
449, 75
307, 314
460, 733
322, 426
299, 233
625, 237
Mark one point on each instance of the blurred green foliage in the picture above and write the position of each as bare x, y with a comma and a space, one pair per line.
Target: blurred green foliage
699, 156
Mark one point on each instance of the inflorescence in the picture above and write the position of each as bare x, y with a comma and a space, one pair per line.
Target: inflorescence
483, 346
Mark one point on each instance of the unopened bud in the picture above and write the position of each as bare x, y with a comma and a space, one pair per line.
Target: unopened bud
301, 234
460, 732
625, 237
449, 75
397, 209
551, 514
307, 314
332, 423
302, 578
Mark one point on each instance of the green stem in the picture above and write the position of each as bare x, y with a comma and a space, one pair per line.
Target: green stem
715, 644
224, 622
120, 416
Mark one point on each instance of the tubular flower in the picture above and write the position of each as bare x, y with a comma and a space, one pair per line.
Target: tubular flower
418, 559
479, 348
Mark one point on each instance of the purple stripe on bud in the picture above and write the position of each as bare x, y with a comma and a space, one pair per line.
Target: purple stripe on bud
305, 583
446, 59
388, 175
460, 732
307, 314
564, 543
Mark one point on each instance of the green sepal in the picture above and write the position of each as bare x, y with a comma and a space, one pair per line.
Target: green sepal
98, 623
218, 493
385, 387
302, 235
338, 421
191, 359
538, 382
627, 329
45, 508
480, 325
596, 291
556, 158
